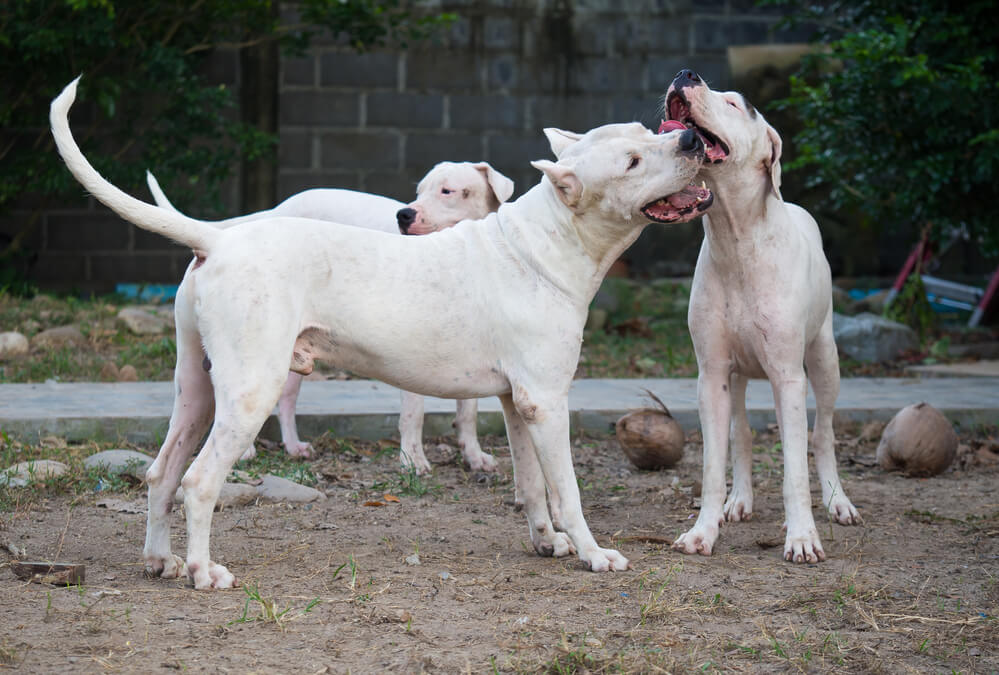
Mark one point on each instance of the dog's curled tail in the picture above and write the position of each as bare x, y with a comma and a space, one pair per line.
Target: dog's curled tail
158, 196
187, 231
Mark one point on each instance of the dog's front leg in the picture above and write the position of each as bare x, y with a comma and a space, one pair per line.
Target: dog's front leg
739, 505
802, 543
466, 424
714, 408
411, 455
547, 421
529, 485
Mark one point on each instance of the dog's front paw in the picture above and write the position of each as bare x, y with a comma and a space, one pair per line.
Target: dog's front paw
803, 545
605, 560
843, 511
415, 461
739, 506
165, 567
212, 576
480, 461
551, 544
700, 539
299, 449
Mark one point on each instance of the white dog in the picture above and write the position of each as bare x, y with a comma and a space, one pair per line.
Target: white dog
509, 294
449, 193
760, 306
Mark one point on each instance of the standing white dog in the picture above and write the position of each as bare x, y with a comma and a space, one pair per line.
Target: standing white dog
510, 295
449, 193
760, 306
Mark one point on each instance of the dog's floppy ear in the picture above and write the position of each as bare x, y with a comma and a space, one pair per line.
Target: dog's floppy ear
568, 187
560, 139
501, 186
773, 165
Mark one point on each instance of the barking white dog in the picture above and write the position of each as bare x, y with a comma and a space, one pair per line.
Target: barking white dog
509, 293
449, 193
760, 306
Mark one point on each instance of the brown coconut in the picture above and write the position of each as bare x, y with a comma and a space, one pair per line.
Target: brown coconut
919, 441
650, 437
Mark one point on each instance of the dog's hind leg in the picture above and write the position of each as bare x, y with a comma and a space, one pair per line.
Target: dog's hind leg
739, 505
286, 417
466, 423
411, 455
247, 386
193, 407
529, 485
822, 362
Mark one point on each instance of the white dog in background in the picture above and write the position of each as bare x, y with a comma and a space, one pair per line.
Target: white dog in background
510, 295
760, 306
449, 193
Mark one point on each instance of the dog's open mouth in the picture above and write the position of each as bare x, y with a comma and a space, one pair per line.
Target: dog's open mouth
680, 206
678, 111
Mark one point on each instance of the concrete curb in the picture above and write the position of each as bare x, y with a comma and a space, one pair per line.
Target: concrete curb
140, 411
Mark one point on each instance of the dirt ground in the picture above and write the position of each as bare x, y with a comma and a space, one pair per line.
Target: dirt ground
327, 587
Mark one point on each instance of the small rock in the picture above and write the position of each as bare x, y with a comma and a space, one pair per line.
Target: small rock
12, 344
23, 473
444, 576
128, 374
109, 372
872, 339
231, 494
403, 616
53, 338
141, 322
277, 489
121, 461
413, 559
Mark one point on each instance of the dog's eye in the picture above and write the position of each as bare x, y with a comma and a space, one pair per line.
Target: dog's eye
734, 105
635, 160
445, 191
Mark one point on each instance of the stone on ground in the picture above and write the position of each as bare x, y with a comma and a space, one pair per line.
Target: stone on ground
121, 461
54, 338
277, 489
870, 338
23, 473
12, 344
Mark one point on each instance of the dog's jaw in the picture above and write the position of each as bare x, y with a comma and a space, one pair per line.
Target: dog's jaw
681, 206
680, 116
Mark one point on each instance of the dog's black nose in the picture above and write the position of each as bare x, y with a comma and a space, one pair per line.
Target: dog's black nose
405, 217
690, 141
687, 75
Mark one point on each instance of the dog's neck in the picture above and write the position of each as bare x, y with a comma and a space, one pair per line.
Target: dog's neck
570, 251
736, 216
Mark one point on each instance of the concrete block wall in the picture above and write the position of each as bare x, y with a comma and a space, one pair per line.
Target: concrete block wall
377, 121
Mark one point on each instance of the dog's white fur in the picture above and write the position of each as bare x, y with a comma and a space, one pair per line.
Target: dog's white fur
510, 295
760, 306
449, 193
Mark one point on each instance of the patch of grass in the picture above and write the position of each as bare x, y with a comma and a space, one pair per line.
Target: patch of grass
409, 483
279, 463
267, 608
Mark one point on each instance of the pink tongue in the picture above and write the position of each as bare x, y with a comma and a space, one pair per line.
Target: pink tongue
670, 125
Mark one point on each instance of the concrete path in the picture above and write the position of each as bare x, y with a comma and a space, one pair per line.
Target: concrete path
362, 408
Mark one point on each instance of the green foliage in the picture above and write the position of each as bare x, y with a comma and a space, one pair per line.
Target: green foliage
145, 101
901, 112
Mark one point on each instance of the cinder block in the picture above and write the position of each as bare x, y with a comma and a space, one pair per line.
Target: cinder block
500, 32
712, 35
295, 149
137, 268
413, 111
360, 150
518, 151
147, 242
423, 150
291, 183
575, 113
606, 76
319, 108
636, 34
486, 112
299, 70
370, 70
399, 185
59, 270
90, 231
645, 109
443, 70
